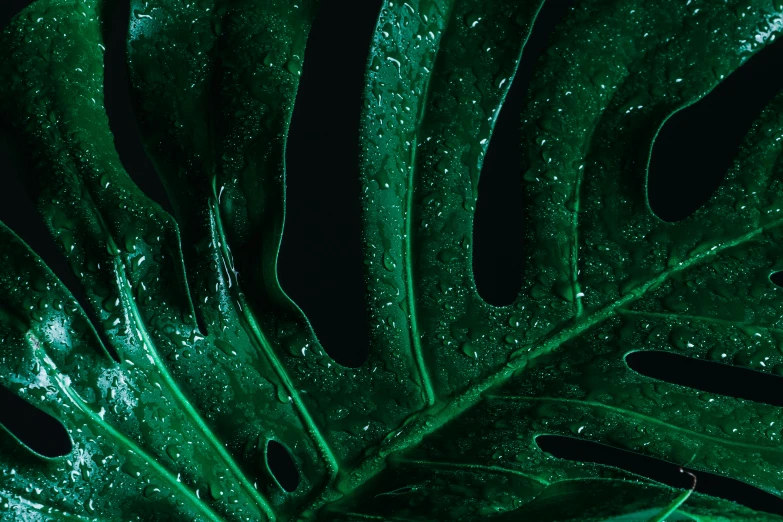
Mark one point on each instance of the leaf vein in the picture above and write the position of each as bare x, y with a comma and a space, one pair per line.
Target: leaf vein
264, 346
474, 467
429, 421
637, 415
686, 317
132, 447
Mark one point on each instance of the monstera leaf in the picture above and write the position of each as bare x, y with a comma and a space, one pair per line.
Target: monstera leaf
188, 361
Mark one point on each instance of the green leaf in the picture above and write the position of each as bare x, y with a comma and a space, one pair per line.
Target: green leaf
170, 420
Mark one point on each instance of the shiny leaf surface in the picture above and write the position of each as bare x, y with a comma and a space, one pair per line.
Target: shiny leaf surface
189, 376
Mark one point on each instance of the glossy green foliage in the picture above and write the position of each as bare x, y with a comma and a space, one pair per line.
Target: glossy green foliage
170, 422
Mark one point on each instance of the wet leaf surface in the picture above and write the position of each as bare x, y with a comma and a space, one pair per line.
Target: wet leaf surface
188, 381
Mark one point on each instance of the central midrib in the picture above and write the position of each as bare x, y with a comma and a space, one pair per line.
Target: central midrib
431, 419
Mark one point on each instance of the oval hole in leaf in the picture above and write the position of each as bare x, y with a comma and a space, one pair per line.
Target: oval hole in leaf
697, 145
39, 431
281, 465
320, 263
708, 376
569, 448
777, 278
498, 222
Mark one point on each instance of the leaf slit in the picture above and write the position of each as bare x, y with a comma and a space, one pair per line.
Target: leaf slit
264, 347
498, 260
708, 376
569, 448
328, 229
119, 107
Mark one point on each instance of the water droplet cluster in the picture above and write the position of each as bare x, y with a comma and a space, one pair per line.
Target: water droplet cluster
188, 357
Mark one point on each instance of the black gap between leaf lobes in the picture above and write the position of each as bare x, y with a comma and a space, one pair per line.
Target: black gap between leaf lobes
320, 256
498, 222
120, 110
570, 448
696, 146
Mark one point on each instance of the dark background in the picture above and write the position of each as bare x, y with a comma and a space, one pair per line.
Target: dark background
321, 256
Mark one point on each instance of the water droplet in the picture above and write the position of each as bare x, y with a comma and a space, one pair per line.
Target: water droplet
516, 321
130, 244
111, 248
110, 303
139, 15
282, 394
173, 451
68, 242
294, 67
472, 19
216, 490
152, 491
446, 256
538, 292
388, 262
132, 468
225, 347
469, 349
681, 338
